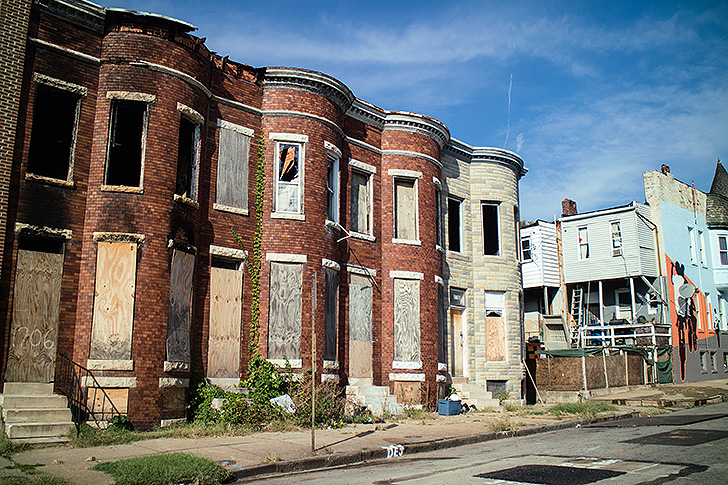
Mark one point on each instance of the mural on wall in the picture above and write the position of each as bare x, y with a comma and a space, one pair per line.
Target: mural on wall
687, 321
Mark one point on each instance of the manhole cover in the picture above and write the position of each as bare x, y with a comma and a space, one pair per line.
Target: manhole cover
551, 474
680, 437
660, 420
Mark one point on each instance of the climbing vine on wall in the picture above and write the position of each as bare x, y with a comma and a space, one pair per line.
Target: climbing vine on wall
254, 260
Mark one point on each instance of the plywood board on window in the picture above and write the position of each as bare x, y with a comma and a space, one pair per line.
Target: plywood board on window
405, 210
406, 320
360, 326
102, 407
173, 402
36, 311
359, 203
495, 329
331, 311
232, 169
114, 301
284, 317
180, 304
223, 354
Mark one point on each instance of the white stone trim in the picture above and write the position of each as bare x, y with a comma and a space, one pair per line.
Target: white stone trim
186, 200
331, 364
59, 84
294, 363
191, 113
171, 422
288, 137
437, 182
174, 382
440, 378
120, 382
227, 125
286, 258
119, 364
414, 242
65, 51
227, 208
225, 381
401, 364
131, 96
22, 228
176, 366
407, 377
327, 263
309, 116
236, 104
439, 280
49, 180
329, 378
411, 154
441, 367
364, 167
364, 145
121, 188
288, 215
174, 73
365, 237
330, 147
231, 253
410, 174
407, 275
119, 237
356, 269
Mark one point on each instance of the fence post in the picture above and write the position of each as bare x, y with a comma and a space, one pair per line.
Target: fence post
583, 371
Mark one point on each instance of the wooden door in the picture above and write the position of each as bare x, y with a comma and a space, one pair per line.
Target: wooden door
223, 352
360, 326
458, 342
36, 311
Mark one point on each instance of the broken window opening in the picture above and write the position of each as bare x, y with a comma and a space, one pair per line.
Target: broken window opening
360, 203
126, 143
616, 238
53, 136
187, 158
454, 224
288, 180
491, 229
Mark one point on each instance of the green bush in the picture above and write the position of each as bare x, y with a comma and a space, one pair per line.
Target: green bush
201, 402
120, 423
329, 402
265, 381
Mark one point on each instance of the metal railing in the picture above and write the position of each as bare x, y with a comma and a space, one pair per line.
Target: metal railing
86, 398
612, 335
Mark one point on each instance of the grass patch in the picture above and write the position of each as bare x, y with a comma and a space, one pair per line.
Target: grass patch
417, 413
39, 479
164, 469
585, 410
503, 423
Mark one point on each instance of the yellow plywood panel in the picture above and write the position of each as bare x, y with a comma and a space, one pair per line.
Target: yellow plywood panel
495, 328
101, 406
223, 355
114, 301
180, 305
36, 311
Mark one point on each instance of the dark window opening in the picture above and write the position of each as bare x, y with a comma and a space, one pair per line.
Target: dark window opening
224, 263
438, 216
51, 140
187, 158
453, 224
52, 245
491, 237
124, 166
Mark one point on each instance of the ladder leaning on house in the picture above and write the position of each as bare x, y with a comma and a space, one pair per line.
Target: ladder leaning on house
577, 313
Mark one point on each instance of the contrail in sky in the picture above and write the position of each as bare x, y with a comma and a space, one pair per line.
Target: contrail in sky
508, 129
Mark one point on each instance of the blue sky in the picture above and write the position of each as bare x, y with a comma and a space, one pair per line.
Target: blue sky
600, 92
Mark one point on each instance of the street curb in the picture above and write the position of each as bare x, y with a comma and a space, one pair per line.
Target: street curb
368, 455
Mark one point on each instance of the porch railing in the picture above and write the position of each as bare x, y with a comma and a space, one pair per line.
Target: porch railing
86, 398
612, 335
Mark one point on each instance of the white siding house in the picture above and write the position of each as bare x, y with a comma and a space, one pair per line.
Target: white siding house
540, 269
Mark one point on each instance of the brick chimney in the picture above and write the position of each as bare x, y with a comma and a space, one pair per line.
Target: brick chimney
568, 208
665, 169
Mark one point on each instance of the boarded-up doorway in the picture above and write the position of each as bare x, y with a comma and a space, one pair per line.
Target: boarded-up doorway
36, 311
457, 343
360, 326
180, 306
226, 290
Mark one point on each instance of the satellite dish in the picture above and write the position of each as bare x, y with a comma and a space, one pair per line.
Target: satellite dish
686, 290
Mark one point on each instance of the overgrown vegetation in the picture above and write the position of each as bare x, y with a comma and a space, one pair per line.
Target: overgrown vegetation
163, 469
503, 423
585, 410
36, 479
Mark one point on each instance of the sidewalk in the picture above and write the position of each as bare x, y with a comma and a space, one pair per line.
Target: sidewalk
279, 452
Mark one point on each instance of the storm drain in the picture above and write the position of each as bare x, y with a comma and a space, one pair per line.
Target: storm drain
680, 437
551, 474
659, 420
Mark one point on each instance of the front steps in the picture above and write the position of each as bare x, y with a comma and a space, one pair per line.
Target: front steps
376, 398
33, 414
474, 394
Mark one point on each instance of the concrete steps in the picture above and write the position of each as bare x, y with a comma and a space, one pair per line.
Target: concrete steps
474, 394
376, 398
33, 414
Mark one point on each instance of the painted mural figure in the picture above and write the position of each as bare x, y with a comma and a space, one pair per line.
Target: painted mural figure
687, 322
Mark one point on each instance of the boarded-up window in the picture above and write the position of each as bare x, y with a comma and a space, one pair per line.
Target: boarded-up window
114, 301
54, 131
406, 320
360, 326
226, 290
284, 317
495, 327
36, 311
331, 329
126, 143
454, 224
180, 305
288, 177
232, 169
491, 229
438, 216
405, 209
187, 158
360, 203
332, 189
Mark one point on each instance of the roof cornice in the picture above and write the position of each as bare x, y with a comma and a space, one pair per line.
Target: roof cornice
311, 81
500, 156
419, 124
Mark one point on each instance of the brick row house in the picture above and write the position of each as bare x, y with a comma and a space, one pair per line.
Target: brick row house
133, 158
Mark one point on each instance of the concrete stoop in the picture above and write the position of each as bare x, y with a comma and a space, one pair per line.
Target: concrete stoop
375, 398
33, 414
475, 394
